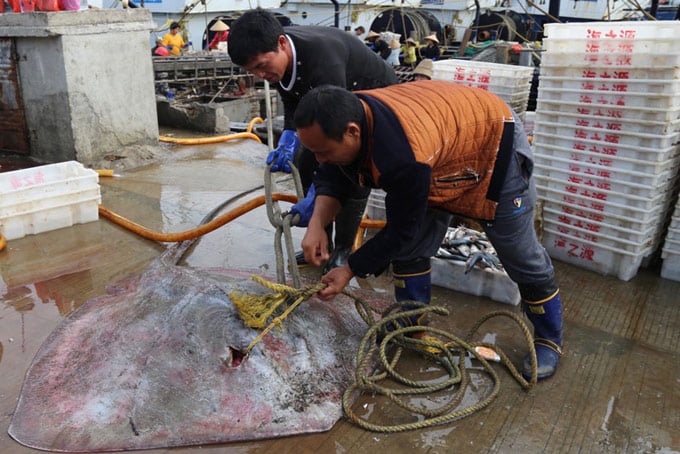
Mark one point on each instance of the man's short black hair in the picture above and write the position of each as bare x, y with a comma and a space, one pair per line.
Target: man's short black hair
331, 107
174, 25
256, 32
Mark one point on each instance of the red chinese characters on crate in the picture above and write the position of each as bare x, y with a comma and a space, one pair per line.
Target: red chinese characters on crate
27, 180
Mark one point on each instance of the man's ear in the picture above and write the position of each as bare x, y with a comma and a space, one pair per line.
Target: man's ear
283, 42
353, 129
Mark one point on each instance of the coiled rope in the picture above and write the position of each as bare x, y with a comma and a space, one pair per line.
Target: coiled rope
436, 346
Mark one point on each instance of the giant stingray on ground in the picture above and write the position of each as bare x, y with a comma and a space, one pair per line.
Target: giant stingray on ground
157, 362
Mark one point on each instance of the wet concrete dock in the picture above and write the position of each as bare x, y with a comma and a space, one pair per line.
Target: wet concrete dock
617, 390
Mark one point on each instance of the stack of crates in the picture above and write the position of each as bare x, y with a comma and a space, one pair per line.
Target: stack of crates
47, 197
606, 141
512, 83
670, 269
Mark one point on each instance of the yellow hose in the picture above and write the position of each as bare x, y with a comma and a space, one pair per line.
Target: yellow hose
215, 139
3, 242
205, 140
252, 123
195, 232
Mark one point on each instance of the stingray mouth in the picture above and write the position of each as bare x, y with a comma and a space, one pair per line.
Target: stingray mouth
235, 357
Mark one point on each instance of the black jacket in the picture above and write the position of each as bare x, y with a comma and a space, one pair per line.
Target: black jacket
329, 56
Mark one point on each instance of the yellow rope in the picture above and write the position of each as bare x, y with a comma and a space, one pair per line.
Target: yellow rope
255, 310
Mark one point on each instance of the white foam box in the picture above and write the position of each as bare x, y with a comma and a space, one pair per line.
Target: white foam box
493, 284
48, 197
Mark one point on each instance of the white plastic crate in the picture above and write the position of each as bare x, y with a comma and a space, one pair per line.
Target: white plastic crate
614, 60
49, 197
607, 111
591, 256
619, 180
609, 124
628, 139
507, 93
656, 86
611, 99
670, 267
375, 206
642, 221
665, 30
601, 194
599, 222
603, 45
497, 73
641, 210
604, 154
672, 239
601, 233
563, 69
637, 243
497, 87
493, 284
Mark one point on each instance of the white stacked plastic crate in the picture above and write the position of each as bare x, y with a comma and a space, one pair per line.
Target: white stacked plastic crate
49, 197
670, 269
606, 134
510, 82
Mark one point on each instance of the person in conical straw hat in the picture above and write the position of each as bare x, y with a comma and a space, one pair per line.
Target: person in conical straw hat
432, 50
409, 51
221, 34
423, 71
395, 50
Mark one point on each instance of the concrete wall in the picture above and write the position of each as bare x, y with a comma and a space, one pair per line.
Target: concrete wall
86, 79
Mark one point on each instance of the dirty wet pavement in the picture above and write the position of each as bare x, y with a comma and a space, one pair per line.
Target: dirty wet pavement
617, 389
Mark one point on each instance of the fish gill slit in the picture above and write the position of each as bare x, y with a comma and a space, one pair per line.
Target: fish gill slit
237, 357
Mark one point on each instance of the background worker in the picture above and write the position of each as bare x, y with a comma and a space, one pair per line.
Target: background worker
431, 50
297, 59
424, 70
359, 31
173, 41
159, 50
221, 34
395, 50
378, 46
473, 160
409, 51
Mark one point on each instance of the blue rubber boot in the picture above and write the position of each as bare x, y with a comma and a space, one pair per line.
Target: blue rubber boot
546, 316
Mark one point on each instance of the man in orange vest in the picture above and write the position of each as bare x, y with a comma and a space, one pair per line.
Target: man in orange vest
435, 148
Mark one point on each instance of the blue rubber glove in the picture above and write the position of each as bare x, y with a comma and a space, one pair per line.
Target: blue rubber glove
288, 143
188, 44
305, 207
169, 47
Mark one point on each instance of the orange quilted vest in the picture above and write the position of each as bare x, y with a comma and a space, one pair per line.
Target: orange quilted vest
454, 129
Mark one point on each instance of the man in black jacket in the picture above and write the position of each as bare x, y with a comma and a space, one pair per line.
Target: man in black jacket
297, 59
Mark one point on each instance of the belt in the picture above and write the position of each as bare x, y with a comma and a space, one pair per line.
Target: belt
500, 168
